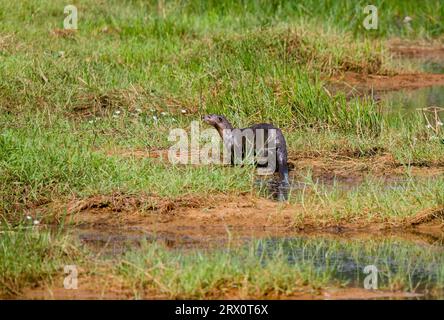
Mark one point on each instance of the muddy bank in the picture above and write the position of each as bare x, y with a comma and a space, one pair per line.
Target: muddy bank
200, 222
427, 58
113, 291
350, 81
200, 219
404, 48
110, 225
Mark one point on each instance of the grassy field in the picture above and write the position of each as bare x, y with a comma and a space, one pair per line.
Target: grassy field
71, 103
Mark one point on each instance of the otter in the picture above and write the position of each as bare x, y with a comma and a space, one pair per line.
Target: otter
226, 130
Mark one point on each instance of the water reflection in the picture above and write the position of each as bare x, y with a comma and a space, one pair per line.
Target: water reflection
411, 100
412, 265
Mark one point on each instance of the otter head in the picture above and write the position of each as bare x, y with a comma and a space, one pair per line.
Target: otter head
217, 121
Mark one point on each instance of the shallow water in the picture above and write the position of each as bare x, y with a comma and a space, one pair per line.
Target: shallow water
416, 261
113, 242
419, 266
426, 63
432, 65
412, 100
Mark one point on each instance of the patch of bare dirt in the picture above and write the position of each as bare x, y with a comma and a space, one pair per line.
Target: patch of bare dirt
63, 33
188, 216
354, 83
427, 216
104, 288
360, 294
114, 209
224, 218
89, 287
216, 217
415, 49
350, 81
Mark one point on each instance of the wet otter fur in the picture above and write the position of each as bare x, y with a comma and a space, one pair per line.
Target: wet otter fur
220, 123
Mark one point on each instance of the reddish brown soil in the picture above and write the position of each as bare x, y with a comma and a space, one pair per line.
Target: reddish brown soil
361, 82
355, 83
106, 288
200, 218
199, 221
51, 293
401, 48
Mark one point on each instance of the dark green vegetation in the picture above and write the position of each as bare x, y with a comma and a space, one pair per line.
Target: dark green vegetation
135, 69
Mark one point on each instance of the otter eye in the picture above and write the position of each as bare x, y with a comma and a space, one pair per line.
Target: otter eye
219, 119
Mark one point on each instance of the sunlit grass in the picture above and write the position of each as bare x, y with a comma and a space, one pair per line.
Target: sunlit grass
135, 70
282, 267
29, 257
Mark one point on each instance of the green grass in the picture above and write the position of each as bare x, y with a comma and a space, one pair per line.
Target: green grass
29, 257
370, 200
39, 163
282, 267
136, 69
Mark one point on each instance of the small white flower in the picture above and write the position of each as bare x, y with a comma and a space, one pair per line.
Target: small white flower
439, 123
115, 116
163, 113
429, 126
28, 217
36, 222
173, 119
155, 118
138, 110
183, 111
91, 121
407, 19
117, 112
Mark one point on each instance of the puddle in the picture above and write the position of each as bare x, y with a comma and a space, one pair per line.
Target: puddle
418, 73
412, 100
430, 65
416, 266
424, 59
412, 262
113, 242
424, 63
